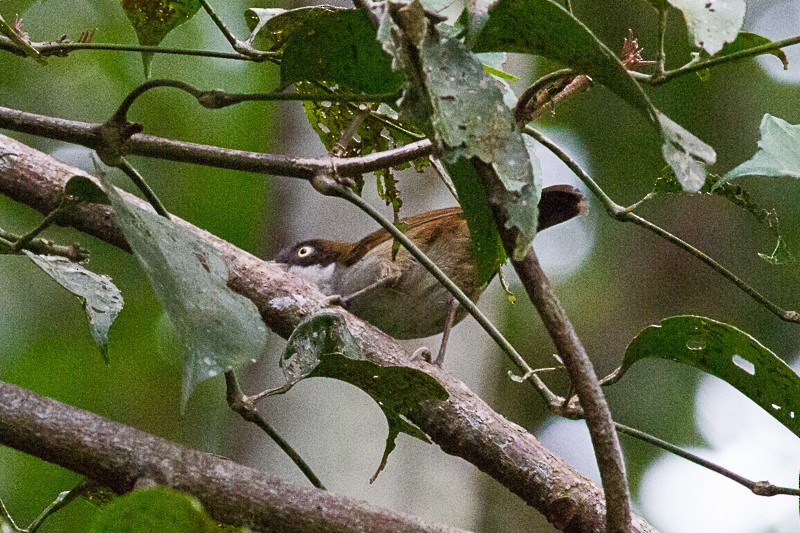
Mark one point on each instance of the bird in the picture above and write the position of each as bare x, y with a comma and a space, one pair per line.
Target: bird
397, 294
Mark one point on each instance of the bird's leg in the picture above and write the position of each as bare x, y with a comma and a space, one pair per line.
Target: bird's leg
343, 301
448, 325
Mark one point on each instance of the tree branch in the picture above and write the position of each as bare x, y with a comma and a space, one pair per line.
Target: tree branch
117, 456
463, 425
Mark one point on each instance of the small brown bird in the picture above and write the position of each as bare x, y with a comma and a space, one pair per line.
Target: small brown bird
401, 297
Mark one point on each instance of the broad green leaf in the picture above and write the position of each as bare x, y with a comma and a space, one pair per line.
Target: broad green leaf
487, 249
726, 352
157, 509
456, 100
780, 254
154, 19
218, 329
712, 23
326, 44
745, 41
86, 190
543, 27
340, 48
100, 298
322, 346
778, 154
685, 154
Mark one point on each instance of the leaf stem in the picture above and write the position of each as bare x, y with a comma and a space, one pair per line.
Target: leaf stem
239, 46
142, 185
760, 488
714, 61
661, 58
244, 406
623, 214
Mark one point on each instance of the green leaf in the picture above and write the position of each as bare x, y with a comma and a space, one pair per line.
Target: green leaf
322, 346
154, 19
545, 28
377, 132
157, 509
100, 298
340, 48
712, 23
487, 248
452, 96
726, 352
86, 190
685, 154
218, 329
326, 44
778, 154
745, 41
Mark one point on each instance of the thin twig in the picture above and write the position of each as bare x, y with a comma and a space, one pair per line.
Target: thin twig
623, 214
759, 488
241, 404
88, 134
61, 49
142, 185
729, 58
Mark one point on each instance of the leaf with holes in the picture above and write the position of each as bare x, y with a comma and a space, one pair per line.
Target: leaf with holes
322, 346
452, 97
778, 154
100, 298
726, 352
685, 154
378, 131
154, 19
218, 329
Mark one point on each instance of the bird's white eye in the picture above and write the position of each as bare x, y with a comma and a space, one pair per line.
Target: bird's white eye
304, 251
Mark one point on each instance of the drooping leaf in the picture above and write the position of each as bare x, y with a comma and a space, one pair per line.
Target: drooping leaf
737, 195
86, 190
726, 352
712, 23
487, 248
322, 346
544, 27
270, 28
685, 153
452, 97
100, 298
154, 19
156, 509
218, 329
778, 154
